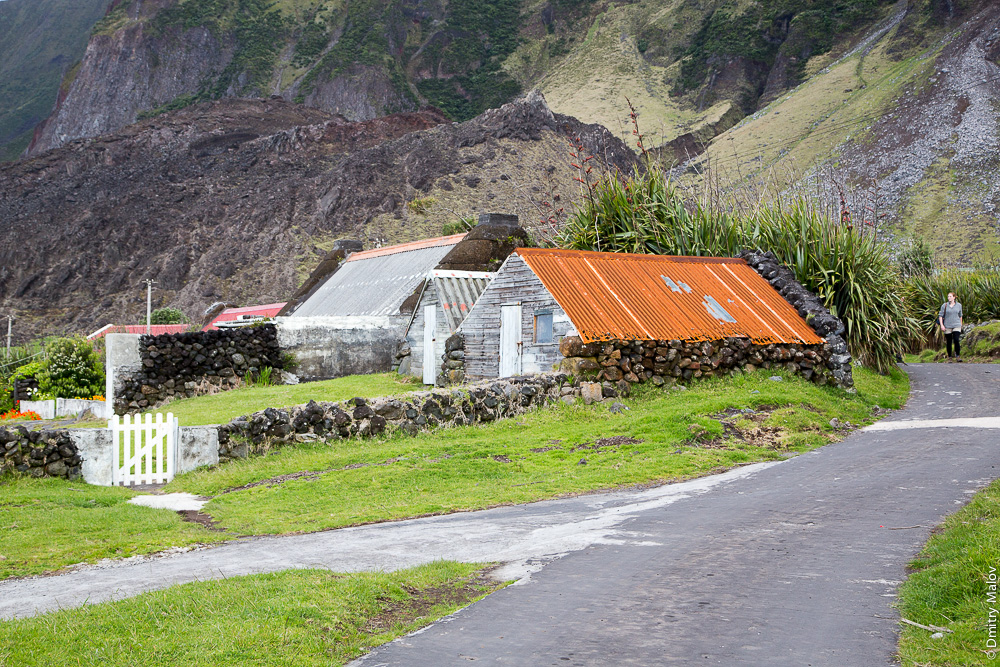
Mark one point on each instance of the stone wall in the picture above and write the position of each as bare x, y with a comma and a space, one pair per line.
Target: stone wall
189, 364
39, 453
418, 411
669, 361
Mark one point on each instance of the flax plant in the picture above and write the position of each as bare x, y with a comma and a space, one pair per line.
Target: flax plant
978, 291
851, 272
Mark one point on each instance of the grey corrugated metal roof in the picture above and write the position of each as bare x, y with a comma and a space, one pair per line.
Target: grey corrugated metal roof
374, 285
458, 292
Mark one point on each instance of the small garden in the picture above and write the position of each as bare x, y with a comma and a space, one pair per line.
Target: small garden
49, 369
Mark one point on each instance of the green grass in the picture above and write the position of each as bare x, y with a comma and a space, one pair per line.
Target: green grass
297, 617
466, 468
46, 524
949, 585
224, 407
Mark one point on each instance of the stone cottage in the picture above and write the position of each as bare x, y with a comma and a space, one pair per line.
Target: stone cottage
451, 290
638, 318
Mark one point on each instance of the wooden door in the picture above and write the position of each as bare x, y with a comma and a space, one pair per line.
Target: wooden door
511, 342
431, 362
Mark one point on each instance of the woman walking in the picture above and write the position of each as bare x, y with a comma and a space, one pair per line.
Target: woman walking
950, 319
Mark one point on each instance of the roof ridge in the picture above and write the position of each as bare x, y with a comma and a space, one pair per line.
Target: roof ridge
646, 257
405, 247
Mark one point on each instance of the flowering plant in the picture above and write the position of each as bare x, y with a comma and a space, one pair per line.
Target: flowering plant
13, 413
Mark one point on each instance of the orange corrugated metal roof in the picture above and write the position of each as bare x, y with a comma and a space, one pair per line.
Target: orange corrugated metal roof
405, 247
617, 296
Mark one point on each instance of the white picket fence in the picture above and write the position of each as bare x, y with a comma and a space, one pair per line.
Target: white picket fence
145, 452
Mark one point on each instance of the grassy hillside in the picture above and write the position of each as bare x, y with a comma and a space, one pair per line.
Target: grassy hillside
904, 125
40, 40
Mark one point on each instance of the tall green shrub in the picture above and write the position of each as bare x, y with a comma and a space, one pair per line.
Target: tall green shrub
850, 271
168, 316
978, 291
71, 369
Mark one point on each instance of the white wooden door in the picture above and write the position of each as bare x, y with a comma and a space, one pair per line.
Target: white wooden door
431, 362
510, 340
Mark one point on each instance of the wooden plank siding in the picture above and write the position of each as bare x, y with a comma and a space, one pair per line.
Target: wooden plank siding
415, 334
514, 283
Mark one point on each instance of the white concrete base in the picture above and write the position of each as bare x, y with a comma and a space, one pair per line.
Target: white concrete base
176, 502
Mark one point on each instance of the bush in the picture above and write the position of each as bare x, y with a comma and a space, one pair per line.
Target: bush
71, 369
978, 291
168, 316
850, 271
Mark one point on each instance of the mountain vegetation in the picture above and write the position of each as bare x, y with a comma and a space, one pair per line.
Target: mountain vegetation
40, 42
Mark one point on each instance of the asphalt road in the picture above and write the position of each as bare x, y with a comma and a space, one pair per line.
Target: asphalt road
791, 563
796, 564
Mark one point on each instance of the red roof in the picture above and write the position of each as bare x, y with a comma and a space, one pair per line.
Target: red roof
405, 247
230, 314
155, 329
611, 296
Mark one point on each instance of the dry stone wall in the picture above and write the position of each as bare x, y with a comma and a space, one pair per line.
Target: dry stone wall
39, 453
189, 364
670, 361
418, 411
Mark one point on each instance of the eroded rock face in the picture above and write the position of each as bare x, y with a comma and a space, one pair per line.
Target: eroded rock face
229, 201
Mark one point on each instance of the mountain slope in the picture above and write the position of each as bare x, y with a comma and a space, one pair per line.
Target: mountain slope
237, 200
905, 125
686, 65
39, 41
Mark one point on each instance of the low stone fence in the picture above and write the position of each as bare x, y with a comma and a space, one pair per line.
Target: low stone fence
669, 361
189, 364
88, 453
39, 453
418, 411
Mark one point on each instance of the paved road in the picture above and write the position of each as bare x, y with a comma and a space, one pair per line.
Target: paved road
794, 563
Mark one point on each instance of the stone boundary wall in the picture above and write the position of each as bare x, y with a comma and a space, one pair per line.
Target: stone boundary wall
669, 361
39, 453
189, 364
419, 411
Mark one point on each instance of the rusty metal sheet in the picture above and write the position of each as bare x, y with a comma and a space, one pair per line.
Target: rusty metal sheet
618, 296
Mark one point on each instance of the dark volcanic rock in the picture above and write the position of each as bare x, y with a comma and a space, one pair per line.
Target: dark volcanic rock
226, 201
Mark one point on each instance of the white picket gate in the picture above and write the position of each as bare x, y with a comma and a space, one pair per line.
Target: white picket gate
144, 452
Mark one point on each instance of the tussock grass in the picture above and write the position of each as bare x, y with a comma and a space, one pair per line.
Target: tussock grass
849, 270
948, 587
297, 617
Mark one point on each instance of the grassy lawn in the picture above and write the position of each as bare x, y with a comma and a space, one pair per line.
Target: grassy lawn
46, 524
949, 585
226, 406
298, 617
665, 436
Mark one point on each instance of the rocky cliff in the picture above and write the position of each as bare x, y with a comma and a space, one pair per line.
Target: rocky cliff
40, 41
237, 200
687, 67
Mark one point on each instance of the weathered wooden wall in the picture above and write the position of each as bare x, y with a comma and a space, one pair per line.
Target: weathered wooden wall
515, 283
